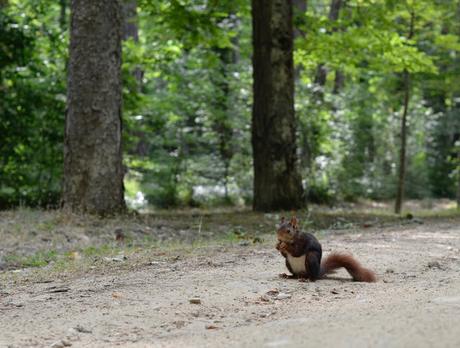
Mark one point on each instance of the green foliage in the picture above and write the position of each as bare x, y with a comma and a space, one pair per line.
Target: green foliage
32, 110
349, 139
193, 107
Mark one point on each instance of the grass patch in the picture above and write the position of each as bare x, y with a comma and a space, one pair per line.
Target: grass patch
102, 250
38, 259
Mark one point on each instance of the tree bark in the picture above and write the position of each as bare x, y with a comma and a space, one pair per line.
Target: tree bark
402, 152
277, 182
93, 174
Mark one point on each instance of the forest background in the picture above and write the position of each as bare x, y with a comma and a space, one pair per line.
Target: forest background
360, 66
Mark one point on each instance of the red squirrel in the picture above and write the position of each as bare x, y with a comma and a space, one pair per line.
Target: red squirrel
303, 253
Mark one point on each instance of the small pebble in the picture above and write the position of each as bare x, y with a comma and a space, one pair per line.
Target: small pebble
282, 296
435, 264
82, 329
61, 344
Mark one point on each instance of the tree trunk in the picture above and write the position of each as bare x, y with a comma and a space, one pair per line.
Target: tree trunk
321, 71
93, 174
222, 124
277, 182
63, 14
456, 149
131, 31
458, 180
339, 81
457, 106
300, 8
402, 152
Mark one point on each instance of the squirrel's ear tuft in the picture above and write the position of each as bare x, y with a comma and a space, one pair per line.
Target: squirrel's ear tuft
294, 222
282, 219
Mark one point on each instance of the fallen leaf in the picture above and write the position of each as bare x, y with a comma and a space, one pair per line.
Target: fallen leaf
264, 298
74, 255
117, 295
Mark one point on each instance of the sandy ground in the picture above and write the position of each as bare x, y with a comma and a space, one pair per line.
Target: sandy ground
241, 301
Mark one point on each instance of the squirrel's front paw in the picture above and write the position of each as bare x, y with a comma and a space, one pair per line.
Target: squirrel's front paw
282, 246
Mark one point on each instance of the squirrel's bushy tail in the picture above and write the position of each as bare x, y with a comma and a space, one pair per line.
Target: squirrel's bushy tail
337, 260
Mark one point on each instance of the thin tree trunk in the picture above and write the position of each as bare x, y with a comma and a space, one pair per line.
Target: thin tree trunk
63, 14
335, 9
458, 180
321, 70
457, 104
93, 174
300, 8
222, 123
339, 81
277, 183
457, 149
402, 152
228, 57
131, 31
130, 28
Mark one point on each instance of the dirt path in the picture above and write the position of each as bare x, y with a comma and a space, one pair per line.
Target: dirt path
415, 303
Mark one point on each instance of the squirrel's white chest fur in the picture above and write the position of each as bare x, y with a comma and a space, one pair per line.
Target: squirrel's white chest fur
297, 263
